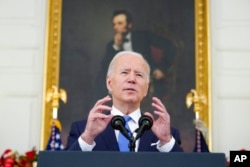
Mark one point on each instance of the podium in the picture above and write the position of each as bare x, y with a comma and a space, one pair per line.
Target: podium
129, 159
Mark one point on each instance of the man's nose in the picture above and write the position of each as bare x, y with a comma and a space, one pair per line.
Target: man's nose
132, 77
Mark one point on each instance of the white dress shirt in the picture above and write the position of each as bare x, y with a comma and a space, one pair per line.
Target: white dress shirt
127, 45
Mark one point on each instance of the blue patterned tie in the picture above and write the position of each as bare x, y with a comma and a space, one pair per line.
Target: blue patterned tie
123, 142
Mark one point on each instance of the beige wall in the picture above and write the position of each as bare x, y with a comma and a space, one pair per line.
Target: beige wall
22, 33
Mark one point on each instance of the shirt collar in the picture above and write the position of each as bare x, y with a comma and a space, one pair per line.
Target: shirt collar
135, 115
128, 36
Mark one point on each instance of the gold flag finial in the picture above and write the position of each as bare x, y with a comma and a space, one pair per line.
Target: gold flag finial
194, 98
53, 96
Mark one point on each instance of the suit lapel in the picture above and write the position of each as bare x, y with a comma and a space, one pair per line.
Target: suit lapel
146, 140
109, 138
109, 141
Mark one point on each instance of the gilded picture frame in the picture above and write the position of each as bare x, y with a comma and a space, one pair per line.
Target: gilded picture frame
202, 63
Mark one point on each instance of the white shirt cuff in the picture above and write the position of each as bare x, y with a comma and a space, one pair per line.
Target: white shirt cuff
85, 146
166, 147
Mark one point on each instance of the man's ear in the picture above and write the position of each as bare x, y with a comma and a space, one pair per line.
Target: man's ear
147, 89
108, 81
130, 26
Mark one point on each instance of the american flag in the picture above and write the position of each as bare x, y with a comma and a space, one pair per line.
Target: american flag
55, 141
200, 142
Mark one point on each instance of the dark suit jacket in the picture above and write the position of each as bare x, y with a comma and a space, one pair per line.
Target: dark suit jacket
106, 141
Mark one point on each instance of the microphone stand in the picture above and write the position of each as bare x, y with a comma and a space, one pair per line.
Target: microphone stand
132, 143
145, 123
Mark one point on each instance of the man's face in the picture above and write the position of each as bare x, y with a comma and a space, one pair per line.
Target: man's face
120, 24
128, 83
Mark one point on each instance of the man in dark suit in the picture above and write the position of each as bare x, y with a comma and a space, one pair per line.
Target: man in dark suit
158, 51
127, 80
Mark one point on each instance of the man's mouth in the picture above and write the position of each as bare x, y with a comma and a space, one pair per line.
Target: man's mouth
129, 89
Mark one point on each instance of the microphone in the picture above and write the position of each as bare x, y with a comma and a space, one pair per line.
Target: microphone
145, 123
118, 123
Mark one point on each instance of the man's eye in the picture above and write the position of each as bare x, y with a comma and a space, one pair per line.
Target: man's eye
139, 75
124, 72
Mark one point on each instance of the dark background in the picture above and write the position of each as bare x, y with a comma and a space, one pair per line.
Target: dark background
86, 29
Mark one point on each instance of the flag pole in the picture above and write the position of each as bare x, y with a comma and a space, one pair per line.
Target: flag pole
53, 96
196, 99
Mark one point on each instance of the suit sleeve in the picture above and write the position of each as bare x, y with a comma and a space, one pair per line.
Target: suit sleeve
72, 143
177, 146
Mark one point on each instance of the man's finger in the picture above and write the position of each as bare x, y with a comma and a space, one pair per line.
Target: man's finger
103, 100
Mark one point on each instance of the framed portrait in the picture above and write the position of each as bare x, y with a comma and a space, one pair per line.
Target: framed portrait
78, 34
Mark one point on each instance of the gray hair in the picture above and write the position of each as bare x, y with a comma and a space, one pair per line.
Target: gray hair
123, 53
